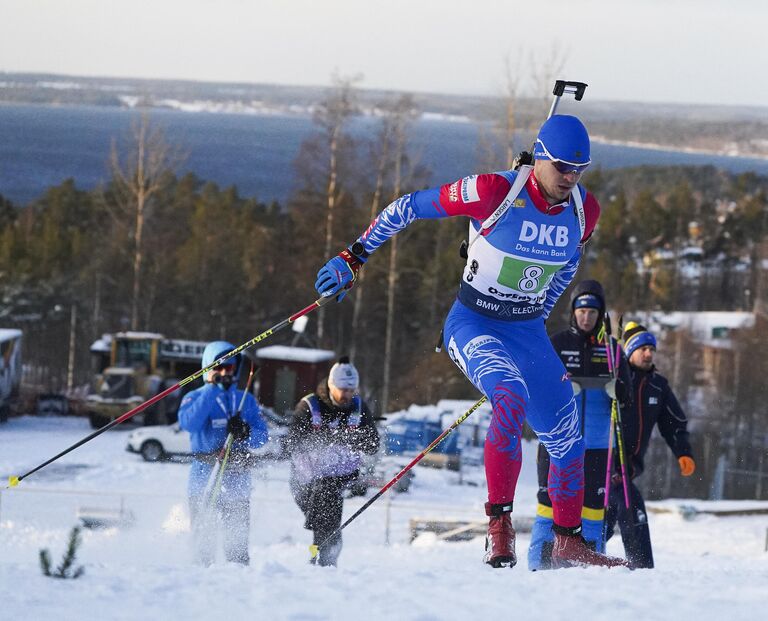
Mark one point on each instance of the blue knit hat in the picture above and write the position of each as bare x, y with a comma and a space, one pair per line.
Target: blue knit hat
588, 300
563, 138
636, 336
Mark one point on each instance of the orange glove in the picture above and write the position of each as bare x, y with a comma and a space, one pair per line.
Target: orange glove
687, 465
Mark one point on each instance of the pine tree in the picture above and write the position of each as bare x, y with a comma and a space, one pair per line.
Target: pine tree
66, 567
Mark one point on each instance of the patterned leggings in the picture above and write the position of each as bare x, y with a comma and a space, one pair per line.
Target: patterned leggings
514, 365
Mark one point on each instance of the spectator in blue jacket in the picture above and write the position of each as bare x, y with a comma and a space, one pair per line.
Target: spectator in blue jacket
656, 406
210, 414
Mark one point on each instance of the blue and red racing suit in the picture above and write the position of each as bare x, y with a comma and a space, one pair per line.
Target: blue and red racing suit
515, 272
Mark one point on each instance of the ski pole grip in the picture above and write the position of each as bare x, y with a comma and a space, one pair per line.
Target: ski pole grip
607, 324
568, 86
561, 88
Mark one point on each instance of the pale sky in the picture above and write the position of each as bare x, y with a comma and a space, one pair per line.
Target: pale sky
682, 51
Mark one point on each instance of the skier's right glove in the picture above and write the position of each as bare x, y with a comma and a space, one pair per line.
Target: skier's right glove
337, 276
239, 429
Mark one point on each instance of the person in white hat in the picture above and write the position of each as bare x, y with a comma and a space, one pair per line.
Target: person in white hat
332, 429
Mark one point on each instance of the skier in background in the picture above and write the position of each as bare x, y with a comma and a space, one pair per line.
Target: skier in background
582, 351
526, 232
656, 406
331, 430
210, 414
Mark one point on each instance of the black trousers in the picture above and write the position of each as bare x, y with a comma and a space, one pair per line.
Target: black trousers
322, 503
633, 525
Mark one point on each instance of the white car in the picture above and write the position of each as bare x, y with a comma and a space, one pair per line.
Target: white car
158, 442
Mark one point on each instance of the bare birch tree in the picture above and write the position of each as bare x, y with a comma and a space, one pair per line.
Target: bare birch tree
383, 145
137, 177
333, 116
402, 115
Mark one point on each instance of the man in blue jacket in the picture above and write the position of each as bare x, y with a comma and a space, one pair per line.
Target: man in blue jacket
210, 414
656, 406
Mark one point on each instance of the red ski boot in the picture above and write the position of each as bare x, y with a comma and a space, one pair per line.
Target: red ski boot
570, 550
500, 541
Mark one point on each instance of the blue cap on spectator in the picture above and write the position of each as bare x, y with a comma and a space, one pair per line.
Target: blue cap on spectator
588, 300
636, 336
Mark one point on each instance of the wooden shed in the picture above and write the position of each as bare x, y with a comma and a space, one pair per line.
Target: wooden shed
288, 373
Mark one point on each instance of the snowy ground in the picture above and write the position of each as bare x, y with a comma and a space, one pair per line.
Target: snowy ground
707, 568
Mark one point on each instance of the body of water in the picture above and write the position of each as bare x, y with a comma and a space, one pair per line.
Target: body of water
40, 146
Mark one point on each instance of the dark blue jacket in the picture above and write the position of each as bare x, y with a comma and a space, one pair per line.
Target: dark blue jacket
327, 440
656, 405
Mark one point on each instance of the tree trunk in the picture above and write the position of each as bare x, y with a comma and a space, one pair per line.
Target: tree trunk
138, 231
388, 340
331, 204
393, 275
137, 261
357, 308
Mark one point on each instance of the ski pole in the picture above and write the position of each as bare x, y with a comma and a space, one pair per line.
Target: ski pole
616, 422
619, 421
217, 476
609, 461
315, 549
13, 481
608, 472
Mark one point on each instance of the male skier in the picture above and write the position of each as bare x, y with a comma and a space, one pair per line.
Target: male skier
526, 230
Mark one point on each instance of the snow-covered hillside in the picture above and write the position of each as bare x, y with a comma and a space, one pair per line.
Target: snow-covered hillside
707, 568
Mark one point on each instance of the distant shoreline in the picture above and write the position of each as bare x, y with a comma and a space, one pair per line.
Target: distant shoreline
650, 146
256, 108
43, 144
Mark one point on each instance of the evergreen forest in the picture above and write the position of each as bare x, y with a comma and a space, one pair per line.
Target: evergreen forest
179, 255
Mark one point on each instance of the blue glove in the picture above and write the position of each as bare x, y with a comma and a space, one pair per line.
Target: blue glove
340, 272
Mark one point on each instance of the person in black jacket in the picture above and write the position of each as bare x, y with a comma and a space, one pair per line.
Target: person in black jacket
656, 406
583, 353
331, 430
